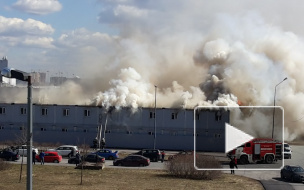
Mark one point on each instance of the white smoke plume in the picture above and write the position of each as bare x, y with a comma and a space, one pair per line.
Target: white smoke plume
194, 56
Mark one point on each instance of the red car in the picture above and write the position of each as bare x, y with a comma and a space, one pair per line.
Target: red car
50, 157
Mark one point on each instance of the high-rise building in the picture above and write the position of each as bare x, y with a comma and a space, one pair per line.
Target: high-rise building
9, 81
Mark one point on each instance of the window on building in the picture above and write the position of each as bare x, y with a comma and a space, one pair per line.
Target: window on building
21, 128
129, 132
44, 111
66, 112
1, 127
87, 113
197, 116
85, 130
218, 116
42, 129
2, 110
174, 116
150, 133
152, 114
64, 130
23, 111
174, 133
108, 131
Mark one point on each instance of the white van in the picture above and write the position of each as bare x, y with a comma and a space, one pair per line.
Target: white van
287, 151
22, 150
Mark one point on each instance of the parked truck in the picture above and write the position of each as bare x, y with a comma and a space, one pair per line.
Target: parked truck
256, 150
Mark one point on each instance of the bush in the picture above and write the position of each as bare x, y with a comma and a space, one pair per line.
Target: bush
183, 166
4, 165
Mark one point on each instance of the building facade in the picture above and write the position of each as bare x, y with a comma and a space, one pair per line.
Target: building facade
121, 128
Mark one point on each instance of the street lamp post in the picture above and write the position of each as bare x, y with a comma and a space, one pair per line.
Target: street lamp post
23, 76
275, 90
155, 119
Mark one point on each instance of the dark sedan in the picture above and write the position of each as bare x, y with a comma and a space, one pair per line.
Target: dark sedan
132, 160
88, 158
293, 173
9, 155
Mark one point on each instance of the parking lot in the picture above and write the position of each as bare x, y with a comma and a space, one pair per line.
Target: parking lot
271, 176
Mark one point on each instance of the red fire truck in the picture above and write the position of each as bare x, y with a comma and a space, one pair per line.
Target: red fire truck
258, 149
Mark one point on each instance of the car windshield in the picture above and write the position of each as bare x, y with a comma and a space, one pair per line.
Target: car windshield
297, 169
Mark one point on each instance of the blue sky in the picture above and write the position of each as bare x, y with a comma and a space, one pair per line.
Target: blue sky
73, 34
198, 52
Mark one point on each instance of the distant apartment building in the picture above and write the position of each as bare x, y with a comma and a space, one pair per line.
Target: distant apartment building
38, 78
3, 80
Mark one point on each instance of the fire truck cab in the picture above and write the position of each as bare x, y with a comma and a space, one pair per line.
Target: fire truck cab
258, 149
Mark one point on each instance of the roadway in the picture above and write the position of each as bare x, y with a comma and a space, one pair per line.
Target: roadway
270, 178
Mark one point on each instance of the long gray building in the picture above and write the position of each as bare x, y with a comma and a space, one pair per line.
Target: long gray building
121, 128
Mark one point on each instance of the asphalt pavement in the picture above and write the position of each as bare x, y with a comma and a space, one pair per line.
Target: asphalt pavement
270, 179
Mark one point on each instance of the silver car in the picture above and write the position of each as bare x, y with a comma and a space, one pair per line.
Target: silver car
66, 150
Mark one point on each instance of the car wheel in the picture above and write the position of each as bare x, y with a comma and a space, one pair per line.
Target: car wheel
269, 159
56, 161
119, 164
10, 159
292, 179
243, 160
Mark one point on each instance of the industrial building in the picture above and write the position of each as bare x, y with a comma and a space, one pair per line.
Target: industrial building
121, 127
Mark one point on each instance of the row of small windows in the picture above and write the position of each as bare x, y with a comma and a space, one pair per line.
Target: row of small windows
173, 115
22, 111
65, 112
44, 111
218, 116
174, 133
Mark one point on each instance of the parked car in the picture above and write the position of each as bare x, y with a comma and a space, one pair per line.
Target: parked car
293, 173
132, 160
287, 151
50, 156
179, 154
152, 154
107, 154
9, 155
66, 150
88, 158
22, 150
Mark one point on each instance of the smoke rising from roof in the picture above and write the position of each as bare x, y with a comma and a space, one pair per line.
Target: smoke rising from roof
193, 60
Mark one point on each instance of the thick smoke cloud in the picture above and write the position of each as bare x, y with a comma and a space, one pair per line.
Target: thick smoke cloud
195, 52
